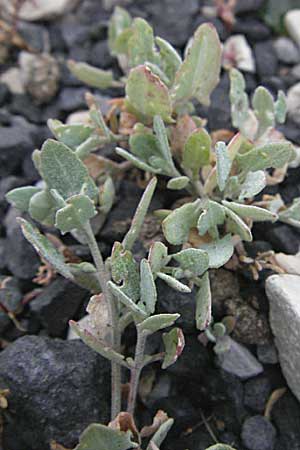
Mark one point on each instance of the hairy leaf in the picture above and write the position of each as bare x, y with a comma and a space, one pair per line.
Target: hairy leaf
85, 275
196, 152
119, 22
220, 447
176, 226
157, 322
263, 105
141, 47
199, 73
238, 99
253, 184
107, 195
71, 135
274, 155
45, 249
170, 59
212, 216
148, 295
136, 161
280, 107
193, 260
160, 435
174, 345
20, 197
252, 212
77, 212
237, 226
173, 283
93, 76
223, 165
203, 303
147, 94
124, 270
161, 134
291, 215
178, 183
158, 256
43, 207
219, 251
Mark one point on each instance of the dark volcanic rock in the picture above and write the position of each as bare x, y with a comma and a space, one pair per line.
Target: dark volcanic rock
258, 433
57, 388
257, 392
253, 29
57, 304
4, 94
286, 417
266, 59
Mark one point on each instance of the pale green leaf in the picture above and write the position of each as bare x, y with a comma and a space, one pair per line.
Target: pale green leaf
126, 301
193, 260
124, 270
148, 294
45, 248
163, 143
274, 155
43, 207
178, 183
238, 99
160, 434
144, 145
173, 283
85, 275
107, 195
219, 251
280, 107
170, 59
203, 303
254, 183
119, 21
252, 212
136, 161
71, 135
100, 437
196, 152
141, 47
174, 345
291, 215
62, 170
198, 75
263, 105
93, 76
157, 322
236, 225
77, 212
212, 216
220, 447
20, 197
177, 225
223, 165
158, 256
147, 94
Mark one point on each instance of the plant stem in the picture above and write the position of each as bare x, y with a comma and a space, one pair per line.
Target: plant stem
104, 277
136, 369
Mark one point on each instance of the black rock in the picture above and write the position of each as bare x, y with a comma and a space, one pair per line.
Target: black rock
2, 254
253, 29
23, 105
22, 260
57, 388
283, 238
266, 59
257, 392
180, 409
222, 30
170, 22
6, 184
100, 55
4, 94
57, 304
73, 33
34, 35
286, 417
171, 301
248, 6
91, 11
274, 84
199, 439
10, 300
71, 99
57, 42
258, 433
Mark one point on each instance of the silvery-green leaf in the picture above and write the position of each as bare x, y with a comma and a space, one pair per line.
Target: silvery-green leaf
174, 345
274, 155
219, 251
173, 283
42, 207
119, 21
163, 143
147, 94
45, 248
238, 99
158, 256
20, 197
192, 259
126, 301
62, 170
100, 437
223, 165
263, 105
107, 195
124, 270
233, 187
139, 216
291, 215
253, 184
170, 59
148, 294
177, 225
252, 212
144, 145
236, 225
196, 152
98, 345
220, 447
203, 303
72, 135
85, 275
157, 322
178, 183
141, 48
198, 75
280, 107
136, 161
160, 435
78, 211
93, 76
212, 216
218, 330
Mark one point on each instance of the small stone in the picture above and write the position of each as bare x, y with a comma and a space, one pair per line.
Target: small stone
253, 29
246, 6
40, 9
286, 416
258, 433
267, 354
266, 59
239, 361
100, 55
4, 94
287, 52
12, 79
293, 103
71, 99
237, 53
292, 20
34, 35
57, 304
283, 294
57, 388
257, 393
296, 72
